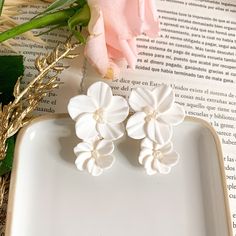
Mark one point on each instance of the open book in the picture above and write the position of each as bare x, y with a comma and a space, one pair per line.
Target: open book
195, 54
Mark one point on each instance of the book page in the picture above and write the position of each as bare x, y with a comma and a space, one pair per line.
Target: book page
196, 55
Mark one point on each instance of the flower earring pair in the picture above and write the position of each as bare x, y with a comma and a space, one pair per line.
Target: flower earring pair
99, 120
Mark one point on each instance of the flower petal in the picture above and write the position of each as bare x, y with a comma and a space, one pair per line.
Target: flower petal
164, 97
147, 143
113, 71
90, 164
158, 132
110, 131
101, 94
170, 159
166, 148
148, 165
86, 126
174, 116
105, 162
140, 98
144, 153
92, 168
135, 17
80, 104
163, 169
105, 147
128, 53
97, 56
117, 111
96, 171
135, 125
150, 25
82, 159
83, 147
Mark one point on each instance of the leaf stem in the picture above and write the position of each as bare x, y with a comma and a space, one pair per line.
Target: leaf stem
1, 6
55, 18
31, 84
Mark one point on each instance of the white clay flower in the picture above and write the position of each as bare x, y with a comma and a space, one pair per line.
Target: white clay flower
99, 113
157, 158
156, 112
94, 156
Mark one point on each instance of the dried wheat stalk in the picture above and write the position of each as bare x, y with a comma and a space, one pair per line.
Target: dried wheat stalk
14, 116
4, 185
12, 8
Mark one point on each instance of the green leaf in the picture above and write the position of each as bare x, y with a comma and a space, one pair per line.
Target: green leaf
11, 68
1, 6
80, 38
6, 164
51, 29
80, 18
57, 5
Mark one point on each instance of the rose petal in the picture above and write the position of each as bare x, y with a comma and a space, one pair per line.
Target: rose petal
101, 94
110, 131
80, 104
164, 97
116, 28
113, 71
105, 162
86, 126
158, 132
96, 23
174, 116
128, 53
135, 125
114, 53
170, 159
150, 24
117, 111
81, 159
97, 56
105, 147
141, 98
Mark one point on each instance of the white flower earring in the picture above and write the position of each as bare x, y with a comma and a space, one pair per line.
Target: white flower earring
157, 158
94, 155
99, 116
155, 114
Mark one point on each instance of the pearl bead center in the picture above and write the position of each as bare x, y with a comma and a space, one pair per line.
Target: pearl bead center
99, 115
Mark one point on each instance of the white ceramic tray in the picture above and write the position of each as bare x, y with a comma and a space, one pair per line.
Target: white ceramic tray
49, 197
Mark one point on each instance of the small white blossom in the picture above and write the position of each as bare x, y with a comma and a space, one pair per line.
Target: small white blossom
99, 113
157, 158
94, 156
156, 113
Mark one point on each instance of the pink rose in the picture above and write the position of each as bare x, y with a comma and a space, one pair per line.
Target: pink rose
113, 28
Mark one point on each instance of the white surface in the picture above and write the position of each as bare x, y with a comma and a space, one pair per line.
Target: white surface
53, 198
